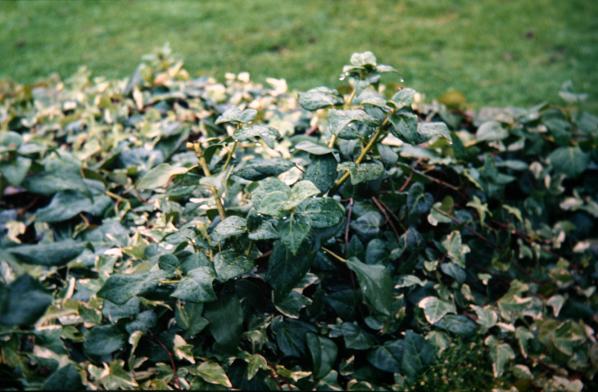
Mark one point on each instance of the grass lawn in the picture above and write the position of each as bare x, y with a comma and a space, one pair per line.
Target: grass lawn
495, 52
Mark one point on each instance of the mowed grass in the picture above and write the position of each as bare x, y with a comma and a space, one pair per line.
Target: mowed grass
495, 52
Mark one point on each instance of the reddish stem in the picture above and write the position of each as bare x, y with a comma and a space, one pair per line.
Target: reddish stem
175, 377
383, 210
349, 213
406, 183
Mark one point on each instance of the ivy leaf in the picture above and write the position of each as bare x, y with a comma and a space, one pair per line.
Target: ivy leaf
226, 321
571, 161
292, 304
500, 353
266, 133
293, 232
338, 120
59, 174
121, 288
367, 171
491, 131
15, 171
455, 248
354, 336
321, 172
368, 224
231, 226
286, 269
321, 212
66, 378
213, 373
313, 148
369, 96
457, 324
375, 284
113, 377
68, 204
429, 130
480, 207
189, 316
23, 301
435, 309
319, 97
255, 363
388, 357
323, 353
418, 201
291, 336
103, 340
235, 115
51, 254
270, 196
403, 97
258, 169
362, 59
418, 354
487, 318
404, 127
196, 286
159, 176
301, 191
229, 264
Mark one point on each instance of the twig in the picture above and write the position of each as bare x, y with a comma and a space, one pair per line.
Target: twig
175, 377
434, 179
311, 130
406, 183
383, 210
349, 213
454, 219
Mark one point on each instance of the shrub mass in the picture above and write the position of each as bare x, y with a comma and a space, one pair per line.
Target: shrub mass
164, 232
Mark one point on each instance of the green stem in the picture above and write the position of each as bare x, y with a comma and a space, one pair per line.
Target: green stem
334, 255
229, 157
219, 205
371, 143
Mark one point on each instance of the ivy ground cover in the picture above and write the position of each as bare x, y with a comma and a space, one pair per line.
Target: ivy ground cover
169, 232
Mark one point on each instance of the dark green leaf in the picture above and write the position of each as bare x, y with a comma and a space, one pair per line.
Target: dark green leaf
121, 288
66, 378
375, 285
229, 264
322, 212
323, 353
103, 340
285, 269
159, 176
231, 226
196, 286
258, 169
321, 172
571, 161
226, 321
23, 301
293, 232
52, 254
319, 97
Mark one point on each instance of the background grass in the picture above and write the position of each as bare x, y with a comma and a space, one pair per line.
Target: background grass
496, 52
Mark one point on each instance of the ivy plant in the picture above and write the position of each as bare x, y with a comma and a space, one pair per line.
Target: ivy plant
166, 232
